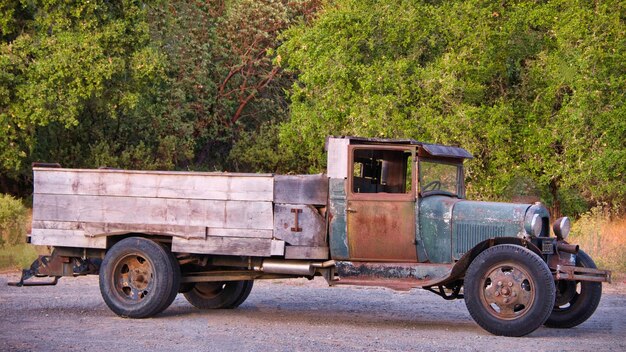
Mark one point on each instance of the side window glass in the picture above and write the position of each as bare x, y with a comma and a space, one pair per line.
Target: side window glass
382, 171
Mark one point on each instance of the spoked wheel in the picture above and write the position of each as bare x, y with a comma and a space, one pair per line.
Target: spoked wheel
509, 290
575, 301
219, 295
139, 278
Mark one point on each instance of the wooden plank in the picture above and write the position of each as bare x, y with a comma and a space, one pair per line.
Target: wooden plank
220, 186
221, 232
56, 225
301, 189
303, 252
278, 248
65, 238
259, 247
94, 229
73, 232
153, 211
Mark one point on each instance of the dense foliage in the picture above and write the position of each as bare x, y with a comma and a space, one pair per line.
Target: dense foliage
136, 84
535, 90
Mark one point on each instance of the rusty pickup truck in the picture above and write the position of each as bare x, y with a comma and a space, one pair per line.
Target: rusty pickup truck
388, 213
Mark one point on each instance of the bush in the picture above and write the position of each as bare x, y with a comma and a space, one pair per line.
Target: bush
13, 218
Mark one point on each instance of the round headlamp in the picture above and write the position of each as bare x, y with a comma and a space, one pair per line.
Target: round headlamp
561, 227
536, 222
535, 225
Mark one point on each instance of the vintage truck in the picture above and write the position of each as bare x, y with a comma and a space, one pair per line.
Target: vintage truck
388, 213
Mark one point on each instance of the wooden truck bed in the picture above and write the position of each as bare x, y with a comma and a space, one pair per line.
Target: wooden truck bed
211, 213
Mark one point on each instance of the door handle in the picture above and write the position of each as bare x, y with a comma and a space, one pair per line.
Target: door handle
349, 210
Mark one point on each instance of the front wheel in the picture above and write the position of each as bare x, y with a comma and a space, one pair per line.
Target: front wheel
219, 295
509, 290
138, 278
575, 301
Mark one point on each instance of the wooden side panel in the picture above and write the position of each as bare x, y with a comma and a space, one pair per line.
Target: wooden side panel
146, 184
301, 189
302, 252
94, 229
220, 213
261, 247
153, 211
311, 226
213, 232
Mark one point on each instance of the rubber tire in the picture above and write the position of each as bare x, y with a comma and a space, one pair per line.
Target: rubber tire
233, 294
543, 283
243, 295
164, 282
175, 281
583, 304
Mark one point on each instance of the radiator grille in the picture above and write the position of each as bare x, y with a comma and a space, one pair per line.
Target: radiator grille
468, 235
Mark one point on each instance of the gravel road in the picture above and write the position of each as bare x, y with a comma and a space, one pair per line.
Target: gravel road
282, 315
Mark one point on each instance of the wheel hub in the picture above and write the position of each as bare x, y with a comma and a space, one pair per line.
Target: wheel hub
133, 276
507, 292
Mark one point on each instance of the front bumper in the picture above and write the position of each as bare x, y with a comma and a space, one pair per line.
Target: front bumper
576, 273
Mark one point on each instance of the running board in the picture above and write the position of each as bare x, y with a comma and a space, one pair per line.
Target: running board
396, 276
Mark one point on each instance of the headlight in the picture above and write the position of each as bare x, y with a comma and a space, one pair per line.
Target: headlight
536, 221
561, 227
536, 225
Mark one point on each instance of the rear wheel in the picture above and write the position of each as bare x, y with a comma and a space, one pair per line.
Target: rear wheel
138, 278
509, 290
575, 301
219, 295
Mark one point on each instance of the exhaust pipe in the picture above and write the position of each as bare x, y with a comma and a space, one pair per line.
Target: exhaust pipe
567, 248
292, 267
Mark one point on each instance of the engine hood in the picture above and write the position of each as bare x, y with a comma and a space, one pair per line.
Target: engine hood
449, 223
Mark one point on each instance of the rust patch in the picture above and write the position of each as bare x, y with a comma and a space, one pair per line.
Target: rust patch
296, 227
381, 231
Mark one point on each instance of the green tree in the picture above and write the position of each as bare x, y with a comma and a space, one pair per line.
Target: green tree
534, 90
76, 84
137, 84
225, 78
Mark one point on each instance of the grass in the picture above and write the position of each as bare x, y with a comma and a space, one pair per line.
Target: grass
18, 256
603, 238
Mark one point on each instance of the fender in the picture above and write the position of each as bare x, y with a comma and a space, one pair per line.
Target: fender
457, 272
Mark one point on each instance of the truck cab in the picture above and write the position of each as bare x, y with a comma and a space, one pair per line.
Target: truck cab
384, 204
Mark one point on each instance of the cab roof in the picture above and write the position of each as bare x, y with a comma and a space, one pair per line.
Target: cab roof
438, 150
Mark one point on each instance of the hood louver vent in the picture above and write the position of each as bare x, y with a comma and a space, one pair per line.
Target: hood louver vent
468, 235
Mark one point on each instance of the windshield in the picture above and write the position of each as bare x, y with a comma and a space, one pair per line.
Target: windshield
438, 177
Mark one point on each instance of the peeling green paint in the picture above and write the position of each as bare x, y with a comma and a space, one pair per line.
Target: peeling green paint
337, 206
435, 215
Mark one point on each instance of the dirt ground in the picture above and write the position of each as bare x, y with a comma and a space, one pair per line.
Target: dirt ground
282, 315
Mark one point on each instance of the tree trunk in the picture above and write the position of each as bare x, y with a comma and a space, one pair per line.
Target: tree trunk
555, 209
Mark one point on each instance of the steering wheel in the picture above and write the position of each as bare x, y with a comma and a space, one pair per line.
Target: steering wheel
432, 186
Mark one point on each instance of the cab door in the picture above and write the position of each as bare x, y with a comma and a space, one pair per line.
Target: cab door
381, 204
